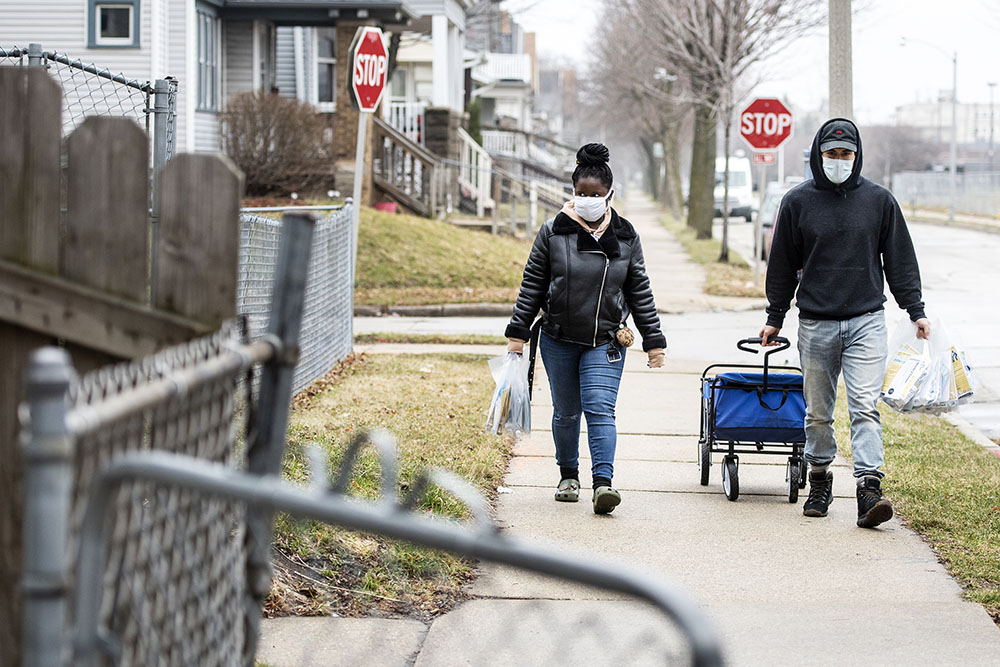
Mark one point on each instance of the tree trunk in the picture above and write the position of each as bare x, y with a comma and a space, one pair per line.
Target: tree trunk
724, 254
672, 154
663, 174
651, 172
701, 194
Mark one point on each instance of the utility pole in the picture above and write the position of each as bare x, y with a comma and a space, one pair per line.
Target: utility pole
841, 73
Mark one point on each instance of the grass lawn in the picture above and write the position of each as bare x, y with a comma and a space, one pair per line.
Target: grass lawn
435, 406
734, 278
947, 488
408, 260
429, 339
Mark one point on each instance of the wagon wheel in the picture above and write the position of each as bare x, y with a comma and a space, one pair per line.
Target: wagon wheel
792, 477
730, 476
803, 474
704, 460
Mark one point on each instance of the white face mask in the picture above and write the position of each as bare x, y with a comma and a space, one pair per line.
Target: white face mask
837, 171
591, 209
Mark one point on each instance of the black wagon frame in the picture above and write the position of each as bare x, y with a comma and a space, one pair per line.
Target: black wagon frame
796, 468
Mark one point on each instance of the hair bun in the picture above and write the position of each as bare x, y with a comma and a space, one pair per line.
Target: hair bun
593, 154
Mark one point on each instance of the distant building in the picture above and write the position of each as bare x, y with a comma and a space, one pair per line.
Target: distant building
933, 120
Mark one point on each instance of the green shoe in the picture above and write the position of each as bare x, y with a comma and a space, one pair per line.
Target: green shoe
606, 500
568, 491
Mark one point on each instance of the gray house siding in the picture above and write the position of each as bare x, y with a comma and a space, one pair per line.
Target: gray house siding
237, 41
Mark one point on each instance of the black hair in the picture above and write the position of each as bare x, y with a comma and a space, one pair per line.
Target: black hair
592, 161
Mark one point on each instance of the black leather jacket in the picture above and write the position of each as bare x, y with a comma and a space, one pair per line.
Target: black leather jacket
586, 288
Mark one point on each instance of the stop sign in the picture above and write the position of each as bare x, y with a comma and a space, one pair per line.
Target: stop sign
369, 67
766, 123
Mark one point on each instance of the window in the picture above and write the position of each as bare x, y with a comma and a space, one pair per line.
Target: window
113, 23
208, 62
326, 69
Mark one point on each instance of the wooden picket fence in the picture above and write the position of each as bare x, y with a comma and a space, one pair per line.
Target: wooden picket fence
79, 260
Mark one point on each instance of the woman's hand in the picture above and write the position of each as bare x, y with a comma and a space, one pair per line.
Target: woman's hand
515, 345
656, 357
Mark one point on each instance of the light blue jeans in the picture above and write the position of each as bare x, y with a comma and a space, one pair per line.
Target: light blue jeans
857, 347
583, 380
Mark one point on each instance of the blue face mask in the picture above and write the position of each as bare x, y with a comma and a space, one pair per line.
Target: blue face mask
837, 171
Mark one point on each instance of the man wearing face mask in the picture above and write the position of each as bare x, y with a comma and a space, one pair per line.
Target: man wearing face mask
848, 237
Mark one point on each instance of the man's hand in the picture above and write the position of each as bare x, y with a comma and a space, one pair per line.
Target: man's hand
923, 328
767, 335
515, 345
655, 357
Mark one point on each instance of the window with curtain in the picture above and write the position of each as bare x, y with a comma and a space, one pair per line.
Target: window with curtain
326, 69
208, 62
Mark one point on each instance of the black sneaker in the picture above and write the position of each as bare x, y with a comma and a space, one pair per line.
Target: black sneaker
873, 509
820, 493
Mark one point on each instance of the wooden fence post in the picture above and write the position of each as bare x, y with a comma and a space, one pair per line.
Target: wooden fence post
198, 249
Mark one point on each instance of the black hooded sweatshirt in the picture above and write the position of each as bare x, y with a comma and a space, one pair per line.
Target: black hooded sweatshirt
848, 240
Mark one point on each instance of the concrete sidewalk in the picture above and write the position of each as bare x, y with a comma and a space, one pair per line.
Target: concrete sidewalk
778, 587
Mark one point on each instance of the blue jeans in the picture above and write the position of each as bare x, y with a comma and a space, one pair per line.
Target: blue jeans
583, 380
857, 347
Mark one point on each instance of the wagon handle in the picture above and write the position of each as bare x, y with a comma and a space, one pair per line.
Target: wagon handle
756, 340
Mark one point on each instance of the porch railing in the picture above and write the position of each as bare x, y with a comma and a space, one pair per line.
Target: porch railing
474, 174
405, 170
408, 119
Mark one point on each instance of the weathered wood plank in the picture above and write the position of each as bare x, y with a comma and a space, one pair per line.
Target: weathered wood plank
107, 220
198, 247
29, 167
88, 317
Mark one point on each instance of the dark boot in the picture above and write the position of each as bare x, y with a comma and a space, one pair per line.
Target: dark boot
820, 493
873, 509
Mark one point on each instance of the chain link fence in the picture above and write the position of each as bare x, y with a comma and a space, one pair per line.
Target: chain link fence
326, 324
179, 564
975, 193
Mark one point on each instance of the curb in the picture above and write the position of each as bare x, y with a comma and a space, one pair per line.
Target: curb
965, 224
504, 310
439, 310
967, 429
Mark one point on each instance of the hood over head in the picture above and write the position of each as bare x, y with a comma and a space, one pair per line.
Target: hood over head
835, 133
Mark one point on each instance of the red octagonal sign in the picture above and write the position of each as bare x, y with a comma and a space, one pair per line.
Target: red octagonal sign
369, 66
766, 123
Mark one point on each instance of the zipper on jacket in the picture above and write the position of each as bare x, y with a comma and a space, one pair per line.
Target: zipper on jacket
600, 295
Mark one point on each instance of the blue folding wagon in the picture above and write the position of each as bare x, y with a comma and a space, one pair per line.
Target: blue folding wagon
753, 410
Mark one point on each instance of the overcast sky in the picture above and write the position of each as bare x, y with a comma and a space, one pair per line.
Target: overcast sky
885, 73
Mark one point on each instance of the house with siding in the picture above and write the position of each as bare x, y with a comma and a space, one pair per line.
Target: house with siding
214, 48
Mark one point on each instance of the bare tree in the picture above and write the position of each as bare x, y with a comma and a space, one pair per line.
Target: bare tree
714, 43
636, 94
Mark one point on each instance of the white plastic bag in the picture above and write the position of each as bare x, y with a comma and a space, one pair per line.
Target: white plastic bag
510, 409
931, 375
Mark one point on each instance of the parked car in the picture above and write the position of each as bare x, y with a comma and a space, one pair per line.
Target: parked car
768, 213
742, 202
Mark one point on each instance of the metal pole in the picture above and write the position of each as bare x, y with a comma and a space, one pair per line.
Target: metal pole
48, 486
359, 168
954, 136
274, 398
992, 85
758, 243
532, 209
35, 55
841, 75
161, 111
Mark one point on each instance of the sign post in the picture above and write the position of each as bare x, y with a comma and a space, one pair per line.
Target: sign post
765, 124
369, 70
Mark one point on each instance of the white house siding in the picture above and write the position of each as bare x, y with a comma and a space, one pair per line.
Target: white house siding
286, 62
237, 40
206, 131
179, 13
61, 26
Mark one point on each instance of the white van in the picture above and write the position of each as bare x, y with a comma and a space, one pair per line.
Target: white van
742, 203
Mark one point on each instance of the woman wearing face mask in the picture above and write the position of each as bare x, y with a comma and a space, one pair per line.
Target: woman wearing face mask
586, 274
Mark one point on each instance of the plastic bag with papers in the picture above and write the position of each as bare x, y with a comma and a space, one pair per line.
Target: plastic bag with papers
510, 409
931, 375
